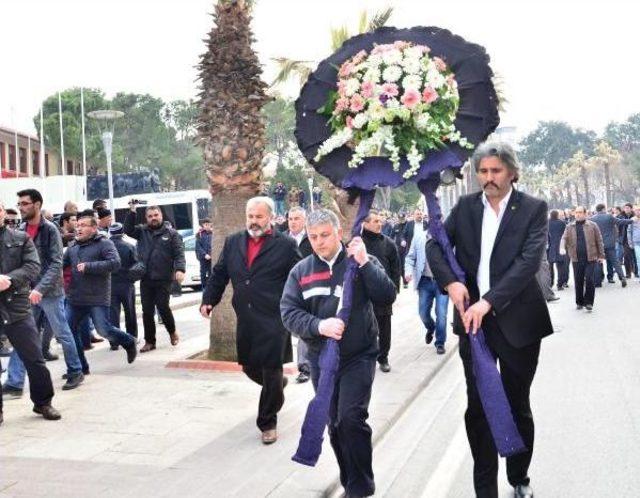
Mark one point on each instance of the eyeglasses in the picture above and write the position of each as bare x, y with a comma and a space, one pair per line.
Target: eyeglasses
23, 203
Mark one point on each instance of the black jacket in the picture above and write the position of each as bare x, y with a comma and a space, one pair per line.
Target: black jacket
518, 304
384, 249
128, 257
304, 248
48, 242
397, 234
556, 231
261, 338
93, 286
161, 250
313, 292
18, 260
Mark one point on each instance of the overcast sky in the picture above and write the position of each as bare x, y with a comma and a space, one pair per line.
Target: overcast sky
564, 60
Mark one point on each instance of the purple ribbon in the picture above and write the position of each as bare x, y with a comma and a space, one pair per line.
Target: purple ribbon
317, 416
488, 382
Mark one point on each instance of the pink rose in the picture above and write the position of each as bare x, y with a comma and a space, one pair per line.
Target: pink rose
359, 57
440, 64
342, 88
429, 95
390, 89
425, 49
342, 104
357, 103
451, 81
349, 122
346, 69
411, 98
367, 89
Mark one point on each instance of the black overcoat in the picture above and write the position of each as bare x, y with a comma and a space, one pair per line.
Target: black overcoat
261, 339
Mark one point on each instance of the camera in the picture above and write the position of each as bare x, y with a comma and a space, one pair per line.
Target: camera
137, 201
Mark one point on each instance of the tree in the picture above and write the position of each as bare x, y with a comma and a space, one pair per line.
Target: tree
624, 136
280, 118
605, 157
231, 133
553, 143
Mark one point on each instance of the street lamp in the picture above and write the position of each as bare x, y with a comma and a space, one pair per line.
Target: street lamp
106, 120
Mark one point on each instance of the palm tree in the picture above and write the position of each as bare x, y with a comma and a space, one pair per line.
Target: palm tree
231, 133
605, 157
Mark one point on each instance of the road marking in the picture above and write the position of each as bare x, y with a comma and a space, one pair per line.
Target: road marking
449, 466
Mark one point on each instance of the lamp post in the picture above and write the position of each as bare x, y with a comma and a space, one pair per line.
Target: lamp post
106, 122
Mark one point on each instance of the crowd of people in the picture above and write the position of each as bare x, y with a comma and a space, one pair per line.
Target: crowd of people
287, 269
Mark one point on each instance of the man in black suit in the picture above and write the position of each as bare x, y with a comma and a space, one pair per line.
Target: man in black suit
415, 224
257, 260
557, 260
499, 236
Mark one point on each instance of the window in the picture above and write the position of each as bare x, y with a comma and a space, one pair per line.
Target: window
12, 158
3, 160
35, 162
69, 167
23, 160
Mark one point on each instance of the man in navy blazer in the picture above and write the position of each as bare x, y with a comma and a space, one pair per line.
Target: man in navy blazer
499, 236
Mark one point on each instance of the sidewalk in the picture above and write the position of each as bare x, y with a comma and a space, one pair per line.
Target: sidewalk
145, 430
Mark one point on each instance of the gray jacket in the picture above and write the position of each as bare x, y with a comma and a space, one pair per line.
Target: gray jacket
18, 260
93, 286
48, 242
608, 225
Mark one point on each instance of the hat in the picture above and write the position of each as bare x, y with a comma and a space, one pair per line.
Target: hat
103, 213
116, 229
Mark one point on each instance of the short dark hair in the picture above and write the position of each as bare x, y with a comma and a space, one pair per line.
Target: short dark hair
204, 220
97, 203
86, 213
600, 207
33, 194
628, 204
553, 214
152, 208
373, 211
11, 211
66, 216
86, 216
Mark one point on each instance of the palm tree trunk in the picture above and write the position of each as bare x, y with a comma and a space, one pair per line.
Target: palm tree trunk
607, 185
585, 182
229, 216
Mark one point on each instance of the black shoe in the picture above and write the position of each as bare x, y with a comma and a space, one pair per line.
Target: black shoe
302, 377
49, 356
11, 392
114, 347
385, 367
611, 281
73, 382
48, 412
560, 288
405, 286
132, 352
285, 382
624, 282
589, 307
523, 491
84, 372
552, 299
1, 418
440, 349
579, 307
429, 337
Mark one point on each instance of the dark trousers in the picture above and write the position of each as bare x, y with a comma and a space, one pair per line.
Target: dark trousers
205, 272
517, 369
384, 337
271, 396
584, 277
349, 433
124, 295
26, 341
155, 294
562, 267
629, 261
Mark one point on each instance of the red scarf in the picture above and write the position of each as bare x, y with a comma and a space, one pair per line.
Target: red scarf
254, 244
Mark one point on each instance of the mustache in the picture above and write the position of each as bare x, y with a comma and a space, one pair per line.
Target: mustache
489, 183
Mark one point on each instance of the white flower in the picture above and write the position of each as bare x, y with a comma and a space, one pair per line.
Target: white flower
372, 75
360, 120
392, 56
393, 104
392, 74
423, 121
435, 79
412, 81
411, 65
335, 141
351, 87
413, 53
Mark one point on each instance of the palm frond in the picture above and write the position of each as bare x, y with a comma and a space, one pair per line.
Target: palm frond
364, 22
289, 68
338, 37
498, 84
380, 19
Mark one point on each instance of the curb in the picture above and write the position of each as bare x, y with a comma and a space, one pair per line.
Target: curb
331, 491
218, 366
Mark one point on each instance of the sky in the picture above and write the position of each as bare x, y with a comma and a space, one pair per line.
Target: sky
566, 60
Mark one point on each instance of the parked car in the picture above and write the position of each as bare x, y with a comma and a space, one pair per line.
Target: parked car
192, 275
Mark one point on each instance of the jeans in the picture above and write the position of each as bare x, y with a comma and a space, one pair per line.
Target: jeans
51, 309
27, 342
205, 272
100, 316
427, 292
636, 249
613, 264
279, 207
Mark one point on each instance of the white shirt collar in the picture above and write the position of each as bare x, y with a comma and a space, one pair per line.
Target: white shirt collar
332, 261
503, 202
